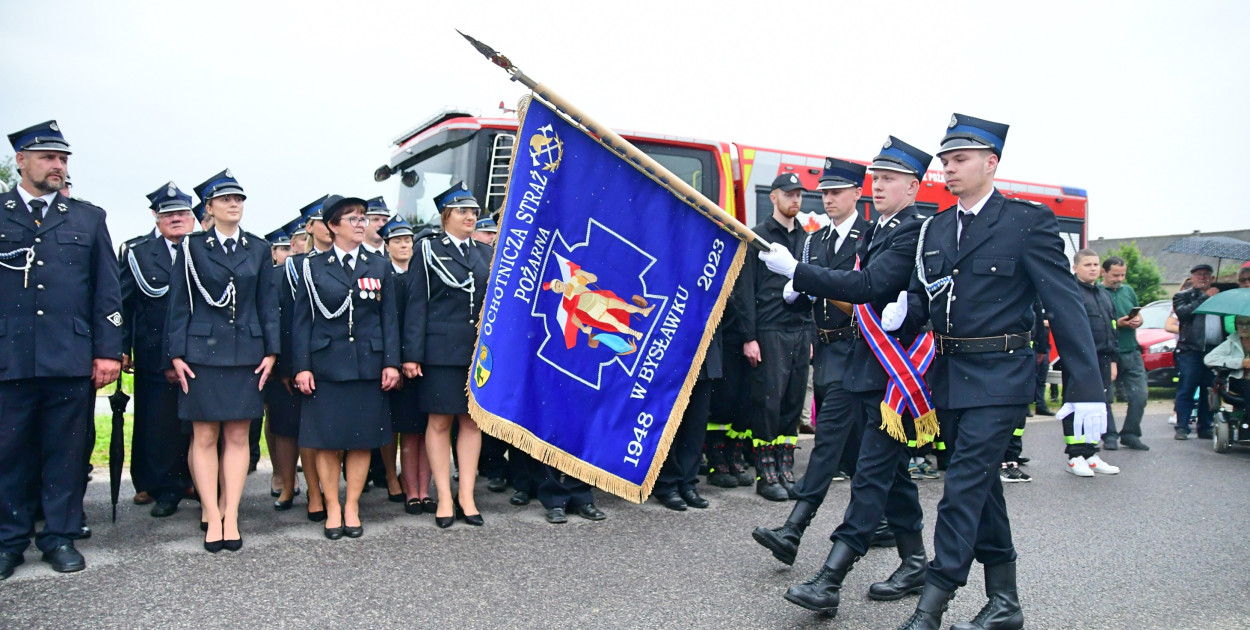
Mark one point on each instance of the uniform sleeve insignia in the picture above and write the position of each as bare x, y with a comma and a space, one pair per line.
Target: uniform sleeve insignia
115, 319
10, 204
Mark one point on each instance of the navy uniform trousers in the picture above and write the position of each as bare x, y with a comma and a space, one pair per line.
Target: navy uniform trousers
680, 471
558, 490
881, 485
839, 431
973, 497
55, 414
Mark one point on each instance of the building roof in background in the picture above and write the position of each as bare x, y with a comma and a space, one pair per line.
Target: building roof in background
1173, 268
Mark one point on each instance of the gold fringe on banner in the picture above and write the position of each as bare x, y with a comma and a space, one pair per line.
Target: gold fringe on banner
520, 437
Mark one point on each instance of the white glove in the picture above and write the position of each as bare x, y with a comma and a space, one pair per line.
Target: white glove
1089, 419
893, 314
779, 260
789, 293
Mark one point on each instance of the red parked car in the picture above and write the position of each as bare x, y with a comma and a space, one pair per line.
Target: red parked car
1157, 344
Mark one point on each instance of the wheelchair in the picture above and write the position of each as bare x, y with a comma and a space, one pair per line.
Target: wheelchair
1228, 402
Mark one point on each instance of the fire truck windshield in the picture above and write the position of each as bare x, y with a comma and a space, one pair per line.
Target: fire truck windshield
437, 162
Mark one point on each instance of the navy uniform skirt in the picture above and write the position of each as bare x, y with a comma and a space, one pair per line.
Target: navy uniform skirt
345, 415
221, 394
443, 389
406, 414
282, 408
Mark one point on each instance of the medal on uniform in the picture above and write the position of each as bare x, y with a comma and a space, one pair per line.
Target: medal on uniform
370, 288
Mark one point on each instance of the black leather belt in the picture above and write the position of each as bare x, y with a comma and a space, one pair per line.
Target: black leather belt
830, 335
971, 345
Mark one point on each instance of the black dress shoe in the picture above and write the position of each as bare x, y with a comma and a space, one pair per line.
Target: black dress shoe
429, 505
413, 506
164, 508
282, 506
8, 562
672, 501
589, 512
497, 484
520, 497
318, 516
692, 498
354, 532
556, 516
333, 533
443, 522
83, 533
474, 520
232, 545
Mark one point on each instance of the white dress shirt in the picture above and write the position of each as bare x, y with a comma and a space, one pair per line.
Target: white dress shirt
26, 197
974, 210
843, 229
342, 255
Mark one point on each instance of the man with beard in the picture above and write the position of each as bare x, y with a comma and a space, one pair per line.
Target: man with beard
62, 304
777, 327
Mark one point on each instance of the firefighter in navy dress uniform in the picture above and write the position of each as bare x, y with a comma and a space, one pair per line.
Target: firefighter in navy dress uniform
382, 464
60, 330
446, 292
345, 347
159, 444
317, 239
223, 340
407, 419
282, 403
838, 422
978, 268
881, 485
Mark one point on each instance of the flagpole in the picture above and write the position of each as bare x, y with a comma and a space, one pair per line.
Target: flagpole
625, 149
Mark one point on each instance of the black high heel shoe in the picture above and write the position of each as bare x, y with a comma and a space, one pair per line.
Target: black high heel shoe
444, 522
233, 545
216, 545
317, 516
429, 505
469, 519
282, 506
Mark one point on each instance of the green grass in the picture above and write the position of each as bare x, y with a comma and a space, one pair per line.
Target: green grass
104, 432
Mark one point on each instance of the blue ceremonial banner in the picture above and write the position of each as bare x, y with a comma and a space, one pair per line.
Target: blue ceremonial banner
605, 290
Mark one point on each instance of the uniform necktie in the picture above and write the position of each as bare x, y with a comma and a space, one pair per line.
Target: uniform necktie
229, 247
173, 251
347, 263
464, 250
36, 209
965, 219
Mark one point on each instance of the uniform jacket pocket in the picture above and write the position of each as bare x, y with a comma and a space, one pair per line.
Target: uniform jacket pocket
200, 329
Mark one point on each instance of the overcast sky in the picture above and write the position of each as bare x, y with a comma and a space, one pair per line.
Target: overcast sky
1141, 103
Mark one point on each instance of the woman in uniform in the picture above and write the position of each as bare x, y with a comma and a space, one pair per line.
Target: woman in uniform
440, 331
281, 402
407, 419
345, 346
223, 340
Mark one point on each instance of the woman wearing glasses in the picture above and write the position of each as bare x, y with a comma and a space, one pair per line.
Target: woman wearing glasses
447, 286
223, 338
345, 342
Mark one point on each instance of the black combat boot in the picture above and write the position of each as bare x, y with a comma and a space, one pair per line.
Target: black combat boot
821, 592
785, 467
721, 475
908, 578
883, 536
928, 614
737, 452
784, 541
767, 484
1003, 611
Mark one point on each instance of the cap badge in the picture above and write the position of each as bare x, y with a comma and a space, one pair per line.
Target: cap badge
954, 121
464, 186
887, 144
794, 179
828, 163
230, 175
172, 191
53, 127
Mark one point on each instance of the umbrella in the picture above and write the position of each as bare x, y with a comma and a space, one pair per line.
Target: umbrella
1234, 302
1213, 246
117, 442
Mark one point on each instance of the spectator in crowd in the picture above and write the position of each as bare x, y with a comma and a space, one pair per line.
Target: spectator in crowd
1131, 372
1234, 353
1083, 458
1198, 335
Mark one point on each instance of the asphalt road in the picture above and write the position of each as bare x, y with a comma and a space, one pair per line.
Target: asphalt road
1162, 545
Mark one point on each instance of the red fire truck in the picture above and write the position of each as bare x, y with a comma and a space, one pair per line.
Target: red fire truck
459, 144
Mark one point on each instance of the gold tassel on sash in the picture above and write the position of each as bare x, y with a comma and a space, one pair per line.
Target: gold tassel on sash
892, 423
927, 428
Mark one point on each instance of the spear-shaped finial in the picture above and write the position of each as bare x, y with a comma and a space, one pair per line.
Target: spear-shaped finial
490, 53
